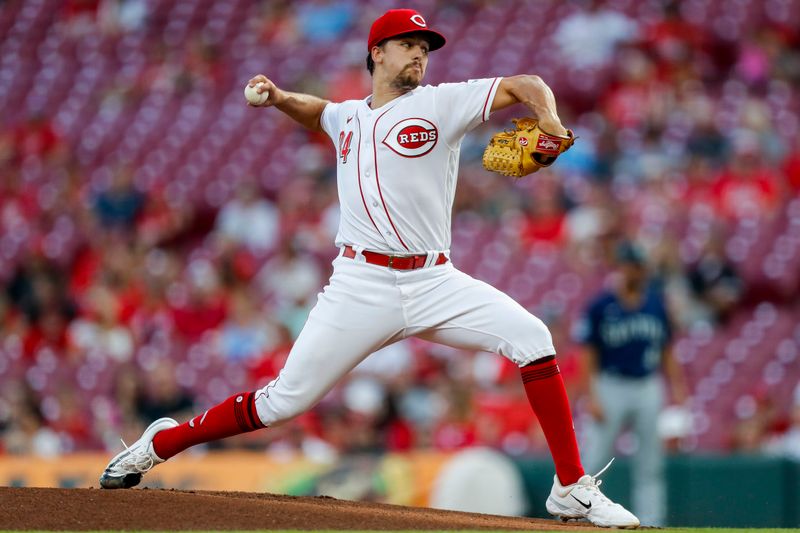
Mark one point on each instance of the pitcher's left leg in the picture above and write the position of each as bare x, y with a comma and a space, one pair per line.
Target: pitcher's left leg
460, 311
463, 312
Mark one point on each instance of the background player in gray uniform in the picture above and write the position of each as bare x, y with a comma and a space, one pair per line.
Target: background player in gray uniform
627, 333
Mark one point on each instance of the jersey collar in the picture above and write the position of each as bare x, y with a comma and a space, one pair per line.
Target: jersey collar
388, 105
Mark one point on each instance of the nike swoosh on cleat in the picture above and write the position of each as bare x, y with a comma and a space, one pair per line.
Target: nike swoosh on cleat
585, 505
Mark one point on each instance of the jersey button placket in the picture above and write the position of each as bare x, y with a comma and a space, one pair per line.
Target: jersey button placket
369, 182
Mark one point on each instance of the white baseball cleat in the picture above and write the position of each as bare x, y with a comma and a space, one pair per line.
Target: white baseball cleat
583, 499
127, 468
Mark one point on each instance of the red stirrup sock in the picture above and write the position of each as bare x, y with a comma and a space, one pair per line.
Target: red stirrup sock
546, 394
235, 415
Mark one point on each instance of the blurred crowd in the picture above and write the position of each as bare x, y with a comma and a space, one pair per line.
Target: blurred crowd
122, 302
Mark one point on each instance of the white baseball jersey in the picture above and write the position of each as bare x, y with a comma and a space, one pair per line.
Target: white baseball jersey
398, 164
397, 175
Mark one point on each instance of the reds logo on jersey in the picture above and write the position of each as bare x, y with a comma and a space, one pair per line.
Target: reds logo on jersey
412, 137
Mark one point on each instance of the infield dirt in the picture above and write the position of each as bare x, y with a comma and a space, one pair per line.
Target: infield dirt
174, 510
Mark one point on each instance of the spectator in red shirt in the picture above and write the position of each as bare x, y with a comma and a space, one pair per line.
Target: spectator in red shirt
639, 96
48, 332
72, 423
81, 16
746, 188
697, 188
456, 429
672, 40
201, 304
546, 215
159, 222
37, 137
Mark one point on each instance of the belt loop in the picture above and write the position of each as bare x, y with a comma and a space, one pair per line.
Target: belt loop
359, 253
429, 258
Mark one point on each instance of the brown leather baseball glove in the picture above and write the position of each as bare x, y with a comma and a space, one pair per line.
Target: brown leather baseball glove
524, 150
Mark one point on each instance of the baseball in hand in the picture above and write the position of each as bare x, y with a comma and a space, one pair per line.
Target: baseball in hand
253, 95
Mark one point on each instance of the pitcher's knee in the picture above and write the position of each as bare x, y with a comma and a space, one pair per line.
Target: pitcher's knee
531, 340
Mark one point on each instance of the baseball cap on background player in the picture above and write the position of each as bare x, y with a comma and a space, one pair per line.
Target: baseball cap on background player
628, 252
396, 22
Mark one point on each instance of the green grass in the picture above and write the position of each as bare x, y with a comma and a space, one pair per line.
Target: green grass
724, 530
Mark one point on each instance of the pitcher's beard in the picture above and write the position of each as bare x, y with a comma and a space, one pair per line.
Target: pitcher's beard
405, 81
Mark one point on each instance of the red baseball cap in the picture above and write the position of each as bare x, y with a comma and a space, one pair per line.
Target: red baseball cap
400, 22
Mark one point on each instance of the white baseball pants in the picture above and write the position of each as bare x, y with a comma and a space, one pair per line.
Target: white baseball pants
365, 307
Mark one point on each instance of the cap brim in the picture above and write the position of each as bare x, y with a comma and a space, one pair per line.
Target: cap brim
435, 39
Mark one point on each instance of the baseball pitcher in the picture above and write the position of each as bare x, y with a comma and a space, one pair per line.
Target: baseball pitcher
397, 154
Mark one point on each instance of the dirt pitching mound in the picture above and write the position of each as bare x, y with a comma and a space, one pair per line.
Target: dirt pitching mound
174, 510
